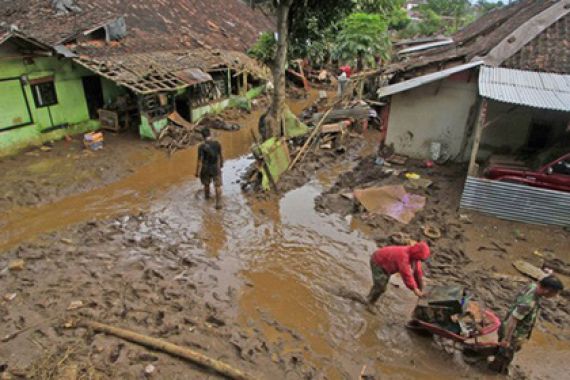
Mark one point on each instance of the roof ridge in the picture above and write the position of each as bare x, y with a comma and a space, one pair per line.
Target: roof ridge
526, 32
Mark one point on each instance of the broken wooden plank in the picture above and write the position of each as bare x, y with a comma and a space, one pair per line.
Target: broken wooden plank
397, 159
359, 113
529, 270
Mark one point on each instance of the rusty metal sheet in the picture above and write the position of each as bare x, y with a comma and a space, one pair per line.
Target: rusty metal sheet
392, 201
193, 76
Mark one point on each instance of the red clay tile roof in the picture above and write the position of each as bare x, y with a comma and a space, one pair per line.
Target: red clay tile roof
151, 24
549, 51
475, 40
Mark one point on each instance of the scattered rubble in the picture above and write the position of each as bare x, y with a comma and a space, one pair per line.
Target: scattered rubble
443, 227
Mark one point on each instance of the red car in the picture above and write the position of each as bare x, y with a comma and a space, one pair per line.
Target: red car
555, 175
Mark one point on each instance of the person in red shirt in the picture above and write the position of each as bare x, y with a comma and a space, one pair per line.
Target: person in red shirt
346, 69
406, 260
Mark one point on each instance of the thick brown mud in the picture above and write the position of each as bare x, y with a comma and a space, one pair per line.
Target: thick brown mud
261, 284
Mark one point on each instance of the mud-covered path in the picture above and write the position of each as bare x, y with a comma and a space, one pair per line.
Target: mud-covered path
276, 268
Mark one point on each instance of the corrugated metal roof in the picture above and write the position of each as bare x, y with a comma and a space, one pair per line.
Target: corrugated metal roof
425, 79
517, 202
427, 46
528, 88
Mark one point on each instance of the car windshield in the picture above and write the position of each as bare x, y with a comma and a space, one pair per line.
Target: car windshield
547, 157
562, 167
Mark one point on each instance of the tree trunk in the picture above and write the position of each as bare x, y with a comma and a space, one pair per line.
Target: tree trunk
279, 96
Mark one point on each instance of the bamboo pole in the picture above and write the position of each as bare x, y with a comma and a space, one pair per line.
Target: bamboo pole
478, 133
164, 346
309, 139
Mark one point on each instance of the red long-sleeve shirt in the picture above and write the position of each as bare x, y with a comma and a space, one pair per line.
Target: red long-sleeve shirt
405, 260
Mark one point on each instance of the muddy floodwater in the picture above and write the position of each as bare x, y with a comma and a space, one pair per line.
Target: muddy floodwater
284, 263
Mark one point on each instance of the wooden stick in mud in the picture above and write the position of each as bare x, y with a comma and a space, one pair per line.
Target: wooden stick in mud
313, 134
164, 346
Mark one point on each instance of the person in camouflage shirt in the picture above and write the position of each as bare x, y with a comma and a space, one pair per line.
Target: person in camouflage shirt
521, 318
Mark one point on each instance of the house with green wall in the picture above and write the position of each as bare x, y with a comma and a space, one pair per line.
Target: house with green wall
150, 63
45, 96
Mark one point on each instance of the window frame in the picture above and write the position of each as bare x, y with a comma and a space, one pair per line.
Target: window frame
35, 86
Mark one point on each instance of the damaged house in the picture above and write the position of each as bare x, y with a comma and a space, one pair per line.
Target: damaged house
496, 92
73, 66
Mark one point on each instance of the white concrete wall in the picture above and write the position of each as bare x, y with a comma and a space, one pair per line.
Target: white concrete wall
434, 112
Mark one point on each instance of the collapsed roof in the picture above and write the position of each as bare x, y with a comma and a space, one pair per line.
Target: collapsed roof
152, 24
161, 71
143, 45
528, 34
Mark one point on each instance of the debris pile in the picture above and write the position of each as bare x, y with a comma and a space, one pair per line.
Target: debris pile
439, 224
174, 137
180, 134
320, 135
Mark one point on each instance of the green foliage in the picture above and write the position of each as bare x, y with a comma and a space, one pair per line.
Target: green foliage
446, 16
391, 10
451, 8
311, 25
362, 37
431, 24
486, 5
264, 48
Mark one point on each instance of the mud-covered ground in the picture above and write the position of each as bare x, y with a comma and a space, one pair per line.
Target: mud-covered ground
53, 171
473, 250
261, 285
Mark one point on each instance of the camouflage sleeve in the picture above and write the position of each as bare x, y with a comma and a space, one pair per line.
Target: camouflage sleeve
521, 310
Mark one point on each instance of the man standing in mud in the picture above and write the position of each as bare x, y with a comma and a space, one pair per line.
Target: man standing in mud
405, 260
210, 163
517, 327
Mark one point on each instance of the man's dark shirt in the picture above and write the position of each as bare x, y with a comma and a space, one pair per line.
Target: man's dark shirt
210, 153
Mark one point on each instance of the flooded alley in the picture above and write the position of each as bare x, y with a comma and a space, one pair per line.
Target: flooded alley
391, 184
263, 278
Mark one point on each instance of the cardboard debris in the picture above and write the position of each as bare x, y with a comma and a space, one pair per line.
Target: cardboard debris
392, 201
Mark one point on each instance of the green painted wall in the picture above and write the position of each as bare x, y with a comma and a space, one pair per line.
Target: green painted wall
214, 108
13, 110
198, 113
71, 108
145, 129
111, 91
